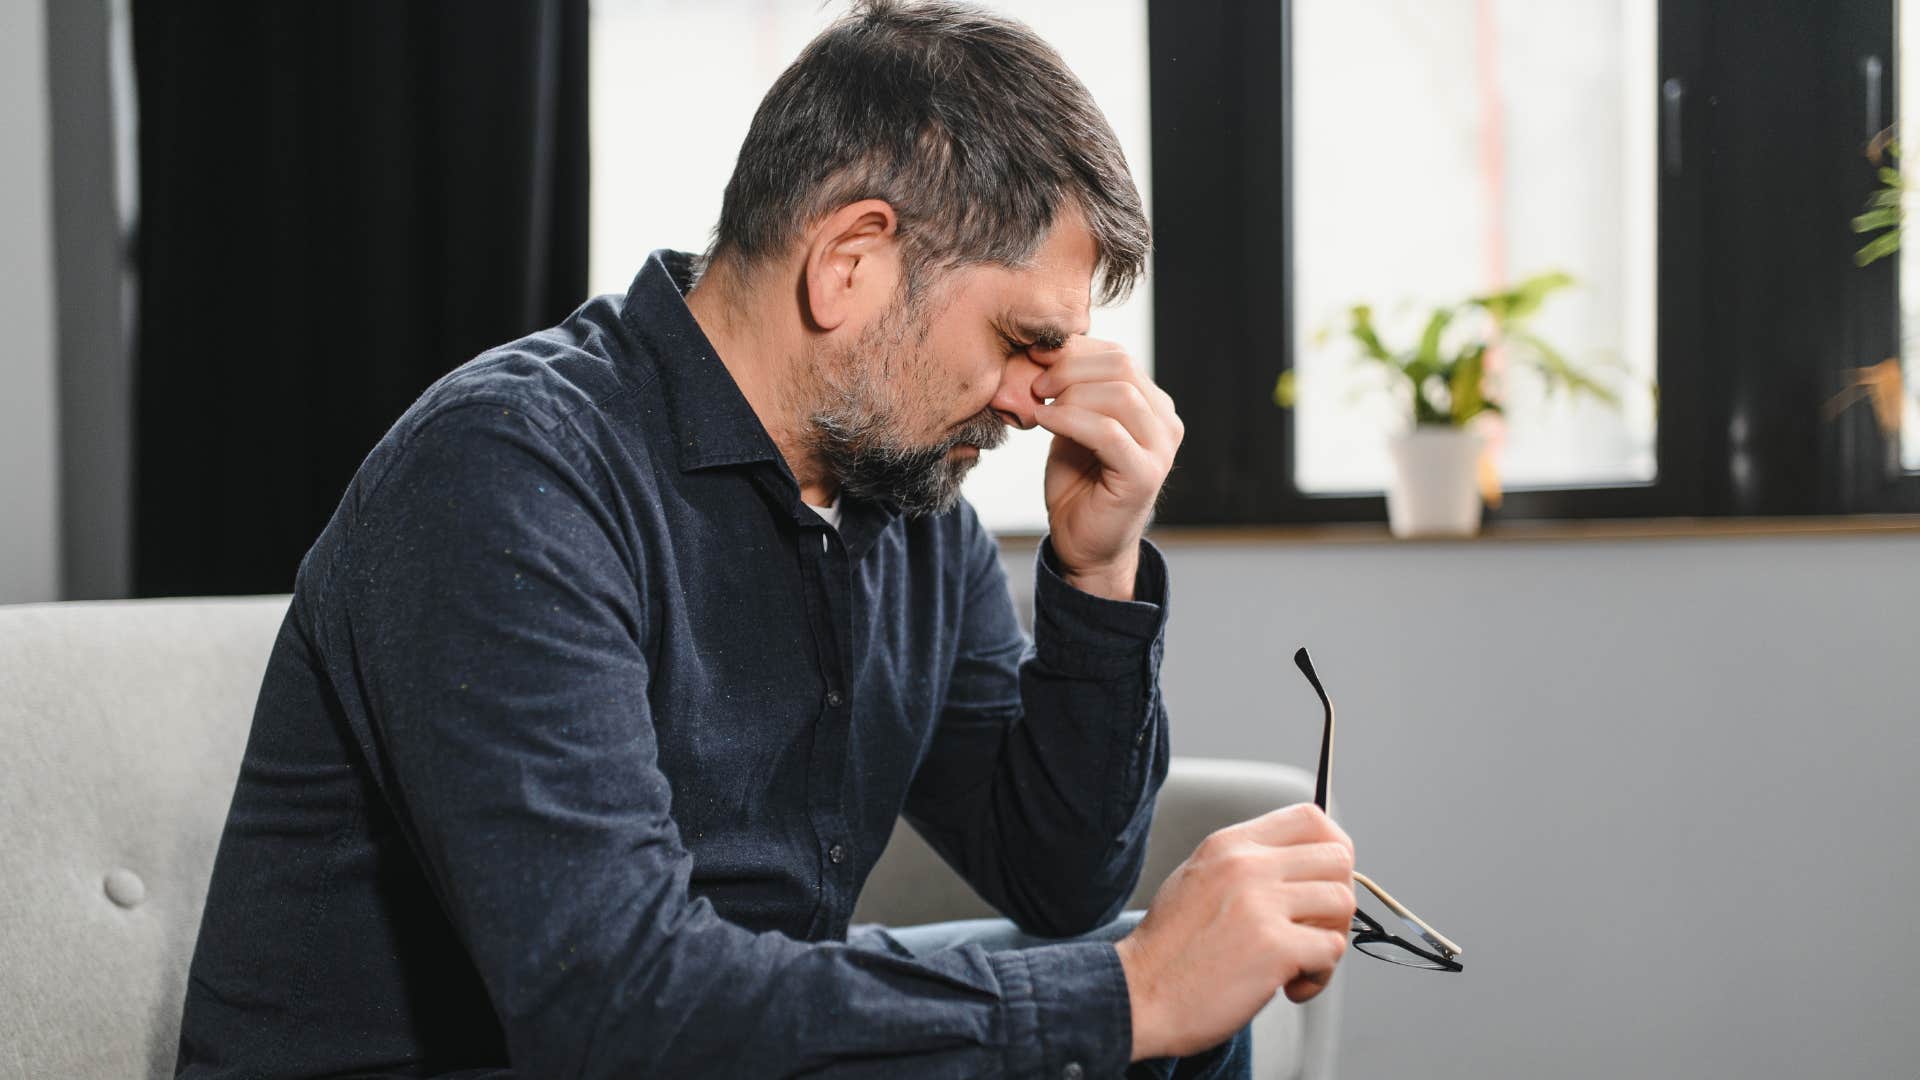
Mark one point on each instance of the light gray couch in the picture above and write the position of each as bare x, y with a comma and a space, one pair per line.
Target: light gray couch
123, 723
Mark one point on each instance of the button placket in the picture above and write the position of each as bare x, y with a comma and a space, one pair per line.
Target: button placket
828, 757
829, 603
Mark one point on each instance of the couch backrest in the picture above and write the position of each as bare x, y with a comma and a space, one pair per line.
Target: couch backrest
123, 724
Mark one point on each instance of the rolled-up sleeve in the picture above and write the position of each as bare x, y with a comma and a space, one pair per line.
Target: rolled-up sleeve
496, 620
1040, 783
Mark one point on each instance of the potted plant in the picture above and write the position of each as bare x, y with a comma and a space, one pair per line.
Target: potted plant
1880, 383
1434, 489
1886, 208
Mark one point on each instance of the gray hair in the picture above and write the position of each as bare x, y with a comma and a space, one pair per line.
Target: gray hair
967, 123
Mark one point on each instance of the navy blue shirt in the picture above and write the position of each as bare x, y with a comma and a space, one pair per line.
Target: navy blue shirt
583, 731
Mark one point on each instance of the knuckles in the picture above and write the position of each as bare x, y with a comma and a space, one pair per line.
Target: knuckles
1274, 938
1238, 860
1325, 827
1211, 844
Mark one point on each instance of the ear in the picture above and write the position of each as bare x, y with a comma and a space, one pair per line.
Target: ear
852, 264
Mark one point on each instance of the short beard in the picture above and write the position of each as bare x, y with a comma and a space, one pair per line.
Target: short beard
918, 480
855, 430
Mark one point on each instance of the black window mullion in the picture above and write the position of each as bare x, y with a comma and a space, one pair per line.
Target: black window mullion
1204, 120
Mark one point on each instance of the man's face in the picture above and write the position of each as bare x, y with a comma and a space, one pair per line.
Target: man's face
908, 406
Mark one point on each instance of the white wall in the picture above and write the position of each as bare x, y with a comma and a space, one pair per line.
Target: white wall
1663, 793
29, 464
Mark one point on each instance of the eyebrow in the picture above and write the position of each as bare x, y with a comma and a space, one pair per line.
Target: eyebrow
1047, 333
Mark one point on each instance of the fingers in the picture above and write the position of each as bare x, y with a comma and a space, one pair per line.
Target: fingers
1324, 861
1091, 361
1301, 823
1327, 904
1307, 987
1319, 953
1107, 437
1124, 402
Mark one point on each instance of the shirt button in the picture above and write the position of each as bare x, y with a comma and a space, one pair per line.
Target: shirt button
835, 699
1073, 1071
837, 853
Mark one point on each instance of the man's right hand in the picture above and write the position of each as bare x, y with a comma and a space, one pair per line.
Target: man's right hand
1258, 906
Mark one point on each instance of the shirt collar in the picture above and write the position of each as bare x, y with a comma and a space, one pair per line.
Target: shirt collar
712, 422
713, 425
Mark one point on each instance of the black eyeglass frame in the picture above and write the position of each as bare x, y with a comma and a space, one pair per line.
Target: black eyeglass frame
1442, 954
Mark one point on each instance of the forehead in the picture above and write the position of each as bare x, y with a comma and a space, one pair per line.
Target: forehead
1052, 291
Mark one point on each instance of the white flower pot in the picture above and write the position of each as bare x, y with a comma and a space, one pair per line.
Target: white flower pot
1435, 490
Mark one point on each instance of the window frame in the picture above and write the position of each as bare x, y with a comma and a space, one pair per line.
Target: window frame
1222, 161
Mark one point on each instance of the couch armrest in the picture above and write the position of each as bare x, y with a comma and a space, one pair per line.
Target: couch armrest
912, 885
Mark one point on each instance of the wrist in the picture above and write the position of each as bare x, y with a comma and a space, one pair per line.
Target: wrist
1146, 1036
1115, 581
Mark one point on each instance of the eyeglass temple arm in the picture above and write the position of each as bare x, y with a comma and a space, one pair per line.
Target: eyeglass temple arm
1325, 775
1434, 937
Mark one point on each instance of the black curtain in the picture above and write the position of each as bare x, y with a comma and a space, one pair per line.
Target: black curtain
339, 202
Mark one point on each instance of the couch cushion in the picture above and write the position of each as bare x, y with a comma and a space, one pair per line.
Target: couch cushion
124, 723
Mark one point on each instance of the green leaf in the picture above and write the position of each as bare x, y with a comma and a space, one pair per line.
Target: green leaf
1891, 177
1524, 298
1429, 354
1425, 411
1285, 393
1465, 389
1879, 247
1560, 373
1362, 331
1876, 219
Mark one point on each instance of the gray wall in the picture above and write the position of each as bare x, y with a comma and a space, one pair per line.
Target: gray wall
1663, 793
29, 461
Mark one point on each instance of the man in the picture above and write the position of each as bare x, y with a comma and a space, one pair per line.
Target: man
600, 694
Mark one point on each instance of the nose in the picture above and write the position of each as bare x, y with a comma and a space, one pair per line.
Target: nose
1014, 400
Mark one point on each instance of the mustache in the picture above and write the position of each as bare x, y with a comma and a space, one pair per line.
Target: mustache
984, 429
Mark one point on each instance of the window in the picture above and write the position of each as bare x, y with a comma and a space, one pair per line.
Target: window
1447, 149
674, 87
1695, 163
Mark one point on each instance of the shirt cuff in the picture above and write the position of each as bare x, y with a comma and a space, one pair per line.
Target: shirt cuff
1069, 1014
1080, 634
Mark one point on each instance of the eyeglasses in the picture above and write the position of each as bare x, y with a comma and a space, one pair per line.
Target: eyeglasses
1368, 935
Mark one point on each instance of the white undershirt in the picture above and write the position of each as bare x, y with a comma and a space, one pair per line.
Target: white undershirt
831, 511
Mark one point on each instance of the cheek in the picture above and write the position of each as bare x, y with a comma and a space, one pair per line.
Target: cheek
969, 387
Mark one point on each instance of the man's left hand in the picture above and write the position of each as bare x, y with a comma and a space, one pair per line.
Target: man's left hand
1115, 434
